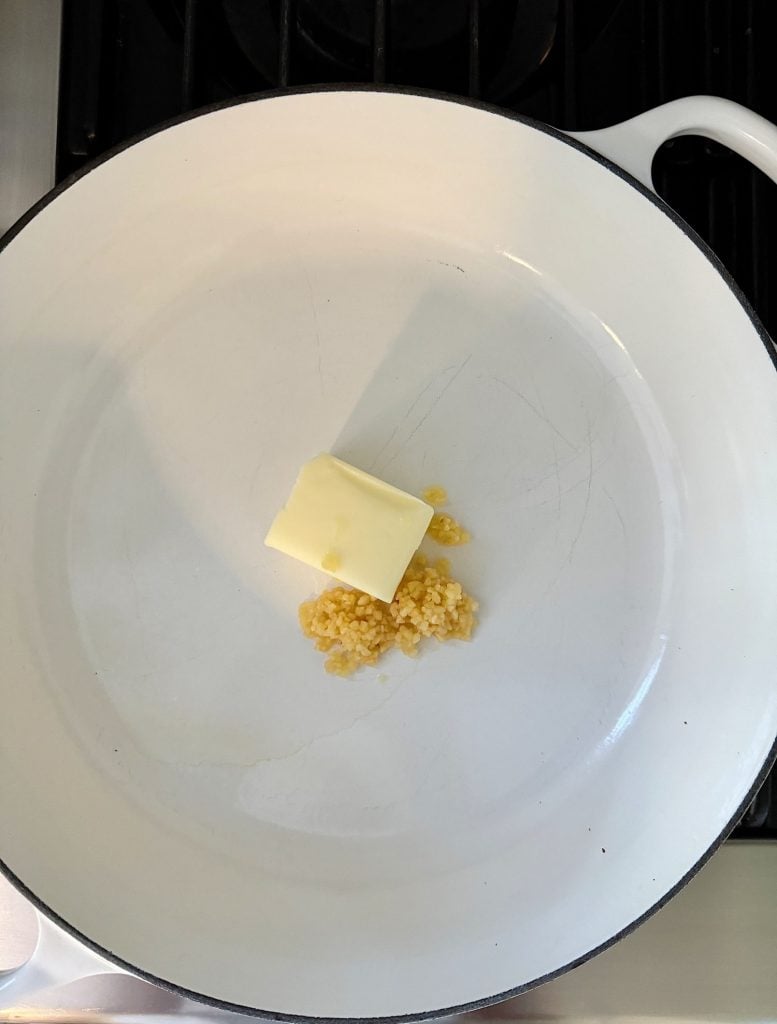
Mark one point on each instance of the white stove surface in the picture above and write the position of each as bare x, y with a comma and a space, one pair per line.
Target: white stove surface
709, 955
29, 81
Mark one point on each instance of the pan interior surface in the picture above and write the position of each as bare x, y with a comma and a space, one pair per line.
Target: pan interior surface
436, 294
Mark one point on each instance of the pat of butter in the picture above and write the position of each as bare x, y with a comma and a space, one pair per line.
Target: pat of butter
350, 524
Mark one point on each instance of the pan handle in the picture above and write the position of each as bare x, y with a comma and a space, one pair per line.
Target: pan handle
633, 144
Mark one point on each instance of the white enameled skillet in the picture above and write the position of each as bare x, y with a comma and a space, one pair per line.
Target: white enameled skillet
438, 293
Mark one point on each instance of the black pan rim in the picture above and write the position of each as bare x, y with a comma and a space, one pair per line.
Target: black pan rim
771, 758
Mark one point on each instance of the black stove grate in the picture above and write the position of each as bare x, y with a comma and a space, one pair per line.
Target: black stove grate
128, 65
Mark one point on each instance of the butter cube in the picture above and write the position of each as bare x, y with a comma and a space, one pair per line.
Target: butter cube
350, 524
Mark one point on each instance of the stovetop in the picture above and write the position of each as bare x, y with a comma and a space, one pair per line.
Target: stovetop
710, 955
128, 65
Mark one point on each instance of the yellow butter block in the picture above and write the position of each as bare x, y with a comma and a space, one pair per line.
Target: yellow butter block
351, 525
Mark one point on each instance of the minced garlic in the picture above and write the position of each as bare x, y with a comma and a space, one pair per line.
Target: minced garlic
355, 628
447, 531
435, 495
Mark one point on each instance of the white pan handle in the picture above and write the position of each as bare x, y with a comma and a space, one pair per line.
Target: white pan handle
633, 144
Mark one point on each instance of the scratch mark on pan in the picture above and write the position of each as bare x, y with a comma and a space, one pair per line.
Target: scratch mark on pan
288, 755
133, 581
317, 329
617, 510
537, 412
538, 482
558, 488
394, 432
567, 490
587, 503
432, 407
